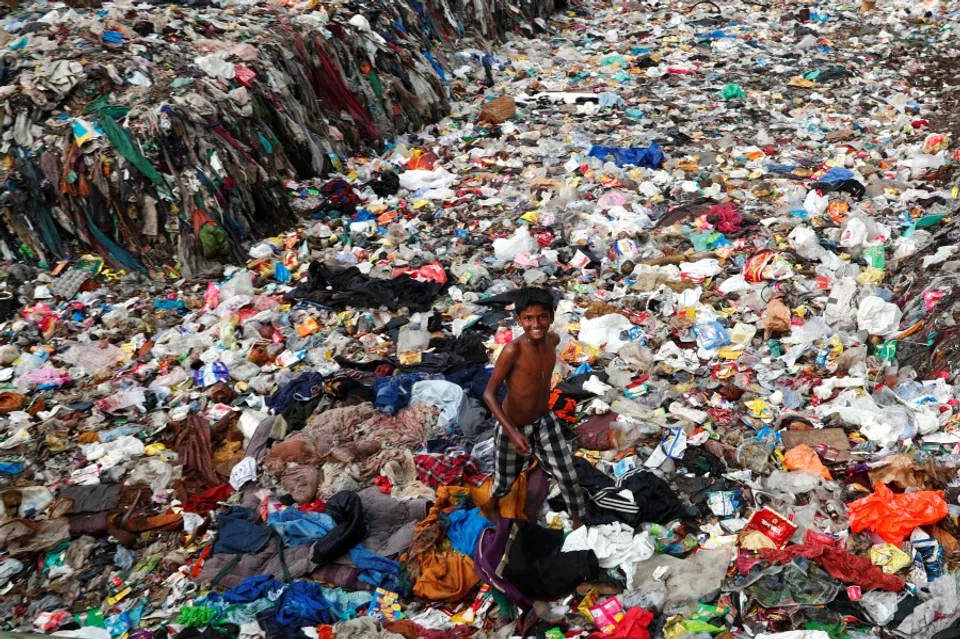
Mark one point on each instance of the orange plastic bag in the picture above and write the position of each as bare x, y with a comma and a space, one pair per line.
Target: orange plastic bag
423, 161
893, 517
803, 457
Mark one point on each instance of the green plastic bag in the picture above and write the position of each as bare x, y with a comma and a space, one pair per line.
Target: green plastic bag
214, 241
732, 92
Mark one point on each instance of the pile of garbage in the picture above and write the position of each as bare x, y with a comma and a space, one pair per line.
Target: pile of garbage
744, 212
175, 133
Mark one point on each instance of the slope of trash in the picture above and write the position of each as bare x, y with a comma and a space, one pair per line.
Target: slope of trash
146, 134
744, 210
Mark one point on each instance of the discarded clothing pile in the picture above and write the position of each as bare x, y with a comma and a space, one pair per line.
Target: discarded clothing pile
184, 134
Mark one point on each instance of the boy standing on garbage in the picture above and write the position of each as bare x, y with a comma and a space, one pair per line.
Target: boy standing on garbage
525, 424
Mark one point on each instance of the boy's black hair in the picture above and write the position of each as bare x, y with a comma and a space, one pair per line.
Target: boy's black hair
529, 296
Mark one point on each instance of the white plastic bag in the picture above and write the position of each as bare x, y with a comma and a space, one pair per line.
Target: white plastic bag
878, 317
815, 204
240, 284
508, 248
604, 330
804, 242
415, 180
701, 269
838, 305
854, 234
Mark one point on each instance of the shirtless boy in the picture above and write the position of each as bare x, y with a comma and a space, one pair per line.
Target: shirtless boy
525, 424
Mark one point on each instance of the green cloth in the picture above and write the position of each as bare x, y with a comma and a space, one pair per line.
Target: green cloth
696, 627
240, 614
196, 616
375, 83
92, 617
265, 143
102, 107
507, 611
125, 146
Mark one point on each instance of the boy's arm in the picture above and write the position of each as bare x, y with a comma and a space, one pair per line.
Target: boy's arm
501, 369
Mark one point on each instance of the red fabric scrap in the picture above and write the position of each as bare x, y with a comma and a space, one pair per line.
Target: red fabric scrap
385, 486
315, 506
203, 503
842, 565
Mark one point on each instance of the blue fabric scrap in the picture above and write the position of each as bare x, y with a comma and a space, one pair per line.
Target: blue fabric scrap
650, 157
465, 528
298, 527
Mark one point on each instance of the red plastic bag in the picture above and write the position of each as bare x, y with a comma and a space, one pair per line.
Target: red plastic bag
632, 626
893, 517
432, 272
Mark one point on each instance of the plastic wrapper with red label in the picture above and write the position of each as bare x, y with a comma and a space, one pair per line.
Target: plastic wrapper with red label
767, 529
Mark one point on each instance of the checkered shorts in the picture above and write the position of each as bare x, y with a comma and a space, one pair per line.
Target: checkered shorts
551, 450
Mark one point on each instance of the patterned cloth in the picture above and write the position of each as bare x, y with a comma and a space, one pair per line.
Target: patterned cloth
551, 449
455, 469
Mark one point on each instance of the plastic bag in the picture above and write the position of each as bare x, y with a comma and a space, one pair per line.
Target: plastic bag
410, 345
154, 472
604, 330
792, 483
240, 284
43, 378
432, 272
677, 358
94, 358
508, 248
803, 457
625, 432
211, 374
776, 318
121, 401
881, 606
805, 243
711, 335
8, 354
417, 179
878, 317
893, 517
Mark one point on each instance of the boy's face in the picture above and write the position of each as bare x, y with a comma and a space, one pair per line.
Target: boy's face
536, 321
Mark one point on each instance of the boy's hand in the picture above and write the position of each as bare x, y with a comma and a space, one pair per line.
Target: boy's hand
520, 442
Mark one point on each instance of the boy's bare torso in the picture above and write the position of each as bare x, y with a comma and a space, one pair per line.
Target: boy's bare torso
528, 383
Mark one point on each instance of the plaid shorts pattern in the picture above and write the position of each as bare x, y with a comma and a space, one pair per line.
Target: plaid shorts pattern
551, 450
437, 470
